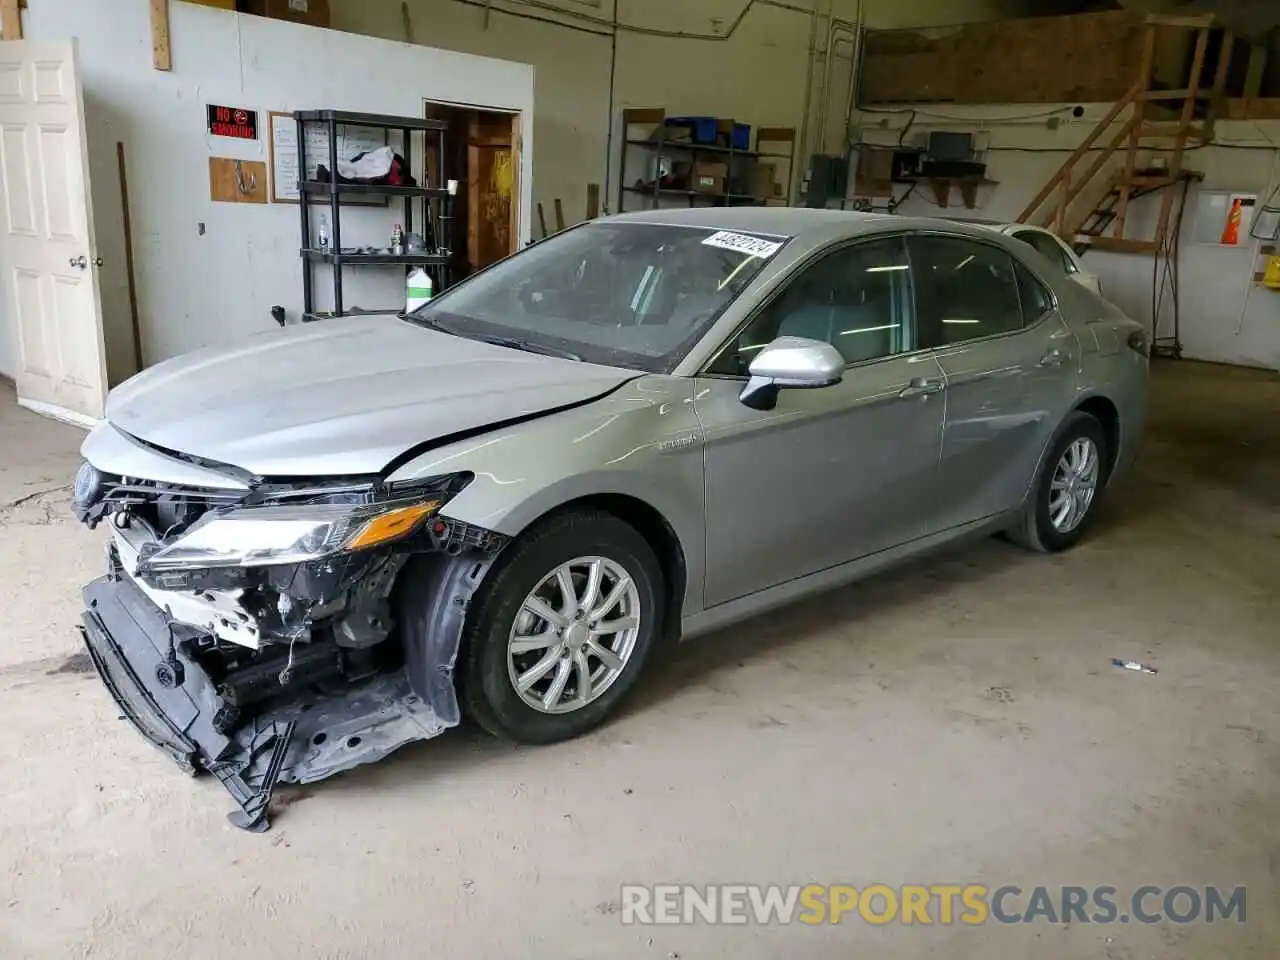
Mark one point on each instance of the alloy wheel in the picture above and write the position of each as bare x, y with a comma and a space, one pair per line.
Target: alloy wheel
574, 634
1074, 484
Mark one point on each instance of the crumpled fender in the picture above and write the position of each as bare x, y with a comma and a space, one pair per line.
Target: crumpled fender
432, 598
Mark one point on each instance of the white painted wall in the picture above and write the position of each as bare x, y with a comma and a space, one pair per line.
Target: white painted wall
1225, 316
218, 288
757, 75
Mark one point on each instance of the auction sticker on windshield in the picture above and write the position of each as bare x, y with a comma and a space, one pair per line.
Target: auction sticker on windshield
741, 242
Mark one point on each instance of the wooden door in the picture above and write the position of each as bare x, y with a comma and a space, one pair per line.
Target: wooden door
47, 253
493, 188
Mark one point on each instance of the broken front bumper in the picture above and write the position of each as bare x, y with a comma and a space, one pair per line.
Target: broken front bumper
140, 653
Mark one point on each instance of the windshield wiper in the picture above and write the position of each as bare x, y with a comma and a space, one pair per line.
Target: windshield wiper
512, 342
527, 346
428, 321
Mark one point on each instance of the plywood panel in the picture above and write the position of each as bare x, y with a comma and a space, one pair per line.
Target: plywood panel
237, 181
1087, 57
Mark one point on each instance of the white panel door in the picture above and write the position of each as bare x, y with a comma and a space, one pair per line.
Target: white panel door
52, 310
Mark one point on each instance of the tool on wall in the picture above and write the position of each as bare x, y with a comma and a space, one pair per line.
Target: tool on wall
245, 188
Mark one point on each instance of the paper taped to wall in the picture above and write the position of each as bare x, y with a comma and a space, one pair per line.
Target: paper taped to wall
352, 141
743, 243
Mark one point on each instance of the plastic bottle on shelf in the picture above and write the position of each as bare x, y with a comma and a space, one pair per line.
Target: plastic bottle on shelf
322, 237
418, 289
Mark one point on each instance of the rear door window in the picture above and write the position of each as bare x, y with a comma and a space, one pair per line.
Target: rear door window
1036, 300
1054, 251
965, 290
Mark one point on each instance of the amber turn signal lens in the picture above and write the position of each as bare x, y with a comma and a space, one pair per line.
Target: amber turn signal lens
391, 525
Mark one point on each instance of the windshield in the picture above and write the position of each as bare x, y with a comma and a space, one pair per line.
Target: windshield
626, 294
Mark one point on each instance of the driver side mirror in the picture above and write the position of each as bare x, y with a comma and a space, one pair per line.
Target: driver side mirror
794, 363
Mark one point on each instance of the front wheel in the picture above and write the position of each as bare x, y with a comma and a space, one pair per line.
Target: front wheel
562, 628
1066, 492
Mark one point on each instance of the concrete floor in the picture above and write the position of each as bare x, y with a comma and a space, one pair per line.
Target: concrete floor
958, 722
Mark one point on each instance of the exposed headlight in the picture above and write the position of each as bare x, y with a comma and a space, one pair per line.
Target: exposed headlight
259, 536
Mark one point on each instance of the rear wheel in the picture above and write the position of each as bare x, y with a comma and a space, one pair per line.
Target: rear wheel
1065, 495
562, 628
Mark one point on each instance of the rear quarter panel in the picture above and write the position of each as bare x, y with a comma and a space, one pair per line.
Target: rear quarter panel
1109, 367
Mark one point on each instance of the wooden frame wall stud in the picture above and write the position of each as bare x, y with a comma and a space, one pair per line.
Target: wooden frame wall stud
10, 20
161, 52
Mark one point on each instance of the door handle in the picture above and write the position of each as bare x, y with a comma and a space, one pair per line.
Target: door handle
1054, 358
81, 261
919, 387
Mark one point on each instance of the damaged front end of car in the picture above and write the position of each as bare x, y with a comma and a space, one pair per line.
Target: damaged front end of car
258, 632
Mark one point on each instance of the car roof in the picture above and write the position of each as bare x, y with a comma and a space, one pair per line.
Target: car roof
1001, 226
804, 223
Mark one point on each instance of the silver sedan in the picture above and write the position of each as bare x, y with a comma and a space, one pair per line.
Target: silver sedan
339, 538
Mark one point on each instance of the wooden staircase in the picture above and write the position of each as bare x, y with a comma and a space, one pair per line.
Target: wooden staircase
1091, 226
1132, 127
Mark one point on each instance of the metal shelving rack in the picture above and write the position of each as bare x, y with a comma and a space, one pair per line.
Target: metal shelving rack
436, 202
681, 150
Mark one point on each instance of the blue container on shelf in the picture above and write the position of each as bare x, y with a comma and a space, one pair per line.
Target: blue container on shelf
742, 136
702, 128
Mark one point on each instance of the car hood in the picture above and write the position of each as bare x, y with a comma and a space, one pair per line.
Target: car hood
343, 396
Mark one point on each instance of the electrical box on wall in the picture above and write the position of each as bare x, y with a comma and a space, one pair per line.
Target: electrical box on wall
828, 180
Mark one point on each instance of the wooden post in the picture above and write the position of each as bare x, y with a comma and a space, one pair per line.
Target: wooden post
559, 215
1219, 83
1140, 111
1253, 73
128, 259
1180, 141
10, 20
161, 53
593, 200
1064, 198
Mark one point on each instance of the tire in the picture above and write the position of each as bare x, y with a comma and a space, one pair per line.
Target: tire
1035, 529
489, 670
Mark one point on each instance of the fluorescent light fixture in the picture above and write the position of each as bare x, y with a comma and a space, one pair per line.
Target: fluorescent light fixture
887, 269
965, 262
958, 320
887, 326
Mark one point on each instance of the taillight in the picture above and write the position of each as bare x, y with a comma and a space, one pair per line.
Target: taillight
1139, 343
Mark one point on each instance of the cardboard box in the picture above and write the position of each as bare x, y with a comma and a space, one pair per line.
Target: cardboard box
874, 174
220, 4
709, 176
760, 180
312, 12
